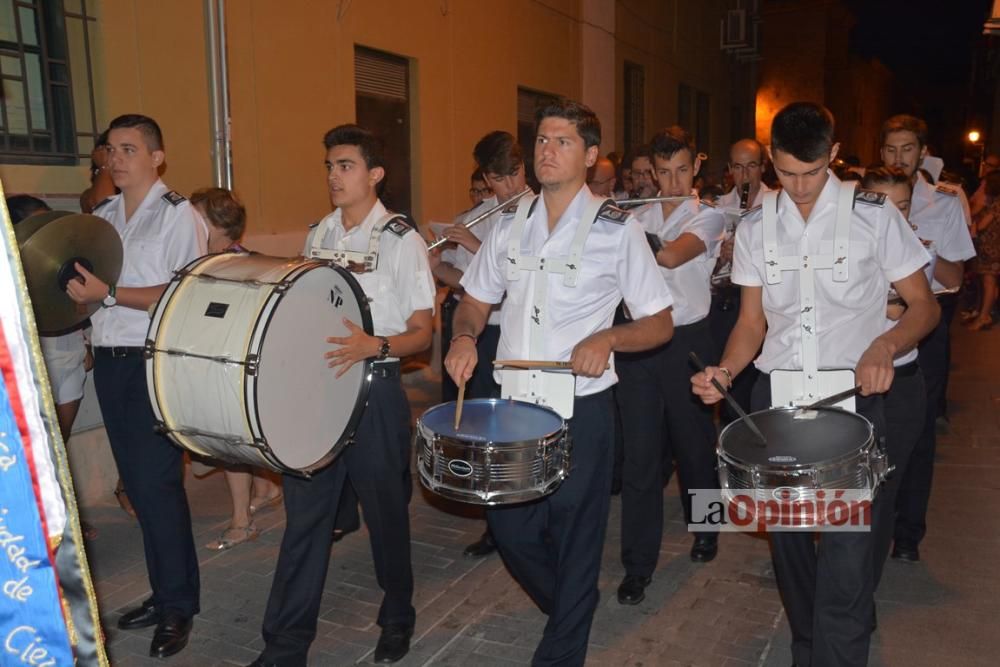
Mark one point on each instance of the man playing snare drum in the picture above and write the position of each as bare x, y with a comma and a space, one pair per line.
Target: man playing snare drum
565, 260
815, 264
401, 296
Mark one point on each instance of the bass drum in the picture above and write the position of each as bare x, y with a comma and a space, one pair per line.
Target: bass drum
235, 366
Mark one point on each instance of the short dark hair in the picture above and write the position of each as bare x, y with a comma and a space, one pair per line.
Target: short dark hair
23, 206
223, 210
670, 141
477, 175
588, 125
371, 147
885, 176
147, 127
904, 123
804, 130
498, 153
642, 150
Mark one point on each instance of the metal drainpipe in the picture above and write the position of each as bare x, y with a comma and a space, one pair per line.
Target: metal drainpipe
218, 83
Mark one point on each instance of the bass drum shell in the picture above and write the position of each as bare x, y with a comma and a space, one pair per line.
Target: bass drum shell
235, 366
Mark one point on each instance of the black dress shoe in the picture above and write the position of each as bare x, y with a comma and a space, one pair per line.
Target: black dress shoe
143, 616
484, 547
905, 552
705, 548
633, 589
171, 635
394, 643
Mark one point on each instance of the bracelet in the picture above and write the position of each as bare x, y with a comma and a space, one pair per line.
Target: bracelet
729, 376
465, 335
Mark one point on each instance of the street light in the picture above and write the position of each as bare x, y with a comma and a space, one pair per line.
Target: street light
974, 136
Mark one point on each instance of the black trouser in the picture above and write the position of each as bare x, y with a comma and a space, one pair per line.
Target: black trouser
377, 465
659, 411
827, 588
915, 487
905, 405
481, 384
152, 471
722, 318
553, 546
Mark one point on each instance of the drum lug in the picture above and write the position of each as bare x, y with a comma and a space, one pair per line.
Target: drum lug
252, 365
283, 286
149, 349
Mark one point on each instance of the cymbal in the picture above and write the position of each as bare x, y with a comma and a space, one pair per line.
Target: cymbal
48, 255
24, 229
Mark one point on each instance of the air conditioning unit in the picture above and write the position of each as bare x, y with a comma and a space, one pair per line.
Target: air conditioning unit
733, 30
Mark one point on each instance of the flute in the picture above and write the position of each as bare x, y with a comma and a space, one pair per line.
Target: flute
480, 218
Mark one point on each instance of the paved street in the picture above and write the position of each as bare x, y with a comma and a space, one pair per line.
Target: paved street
941, 611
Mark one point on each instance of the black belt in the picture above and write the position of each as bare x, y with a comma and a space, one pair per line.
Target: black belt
907, 370
385, 369
694, 326
118, 352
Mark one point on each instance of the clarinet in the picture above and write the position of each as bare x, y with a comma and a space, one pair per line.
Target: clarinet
745, 196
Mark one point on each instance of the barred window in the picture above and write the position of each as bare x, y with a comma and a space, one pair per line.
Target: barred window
47, 110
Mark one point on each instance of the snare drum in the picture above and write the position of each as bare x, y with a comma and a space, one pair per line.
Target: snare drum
235, 366
807, 451
506, 451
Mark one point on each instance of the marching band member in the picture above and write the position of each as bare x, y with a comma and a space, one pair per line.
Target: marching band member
747, 160
937, 215
401, 293
565, 260
161, 233
815, 263
906, 400
498, 156
654, 393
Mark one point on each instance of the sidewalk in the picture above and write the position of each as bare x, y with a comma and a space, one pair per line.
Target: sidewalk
941, 611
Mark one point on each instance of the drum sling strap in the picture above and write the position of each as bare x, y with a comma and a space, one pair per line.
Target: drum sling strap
368, 258
554, 389
813, 385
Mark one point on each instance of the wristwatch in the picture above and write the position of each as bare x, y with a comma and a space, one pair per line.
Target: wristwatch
383, 350
110, 299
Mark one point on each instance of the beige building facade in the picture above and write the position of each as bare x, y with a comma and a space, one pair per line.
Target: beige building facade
292, 76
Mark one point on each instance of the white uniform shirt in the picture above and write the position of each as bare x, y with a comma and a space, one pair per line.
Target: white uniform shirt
401, 283
616, 264
160, 238
460, 258
939, 217
688, 283
731, 200
850, 314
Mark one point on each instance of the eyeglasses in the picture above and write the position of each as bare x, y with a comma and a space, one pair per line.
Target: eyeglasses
480, 192
600, 182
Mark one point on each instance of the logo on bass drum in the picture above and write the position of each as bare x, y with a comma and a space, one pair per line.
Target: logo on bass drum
459, 468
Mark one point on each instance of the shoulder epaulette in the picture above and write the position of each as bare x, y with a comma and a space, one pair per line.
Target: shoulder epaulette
947, 189
398, 226
511, 208
705, 202
870, 197
174, 198
612, 213
315, 224
750, 211
102, 202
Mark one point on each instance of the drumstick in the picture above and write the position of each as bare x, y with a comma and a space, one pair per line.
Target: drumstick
732, 401
532, 364
458, 407
527, 364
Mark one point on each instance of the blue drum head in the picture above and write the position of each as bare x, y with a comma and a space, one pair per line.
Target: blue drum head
493, 420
